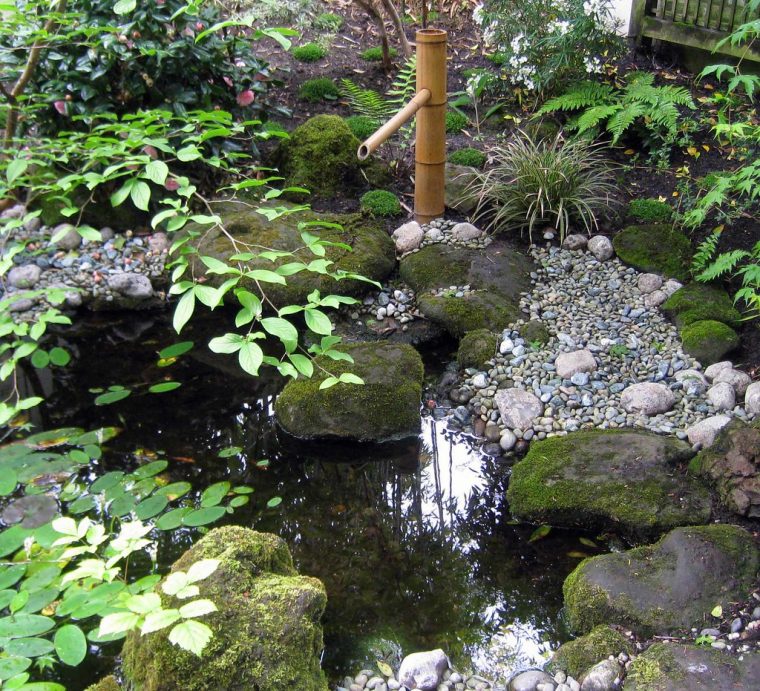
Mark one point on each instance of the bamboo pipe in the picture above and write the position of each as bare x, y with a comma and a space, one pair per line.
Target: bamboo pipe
385, 131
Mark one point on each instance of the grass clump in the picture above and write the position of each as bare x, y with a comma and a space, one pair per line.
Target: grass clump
455, 122
362, 126
381, 203
320, 89
545, 182
309, 52
468, 157
328, 21
375, 54
650, 211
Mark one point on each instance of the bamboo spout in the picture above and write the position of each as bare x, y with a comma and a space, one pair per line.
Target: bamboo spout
385, 131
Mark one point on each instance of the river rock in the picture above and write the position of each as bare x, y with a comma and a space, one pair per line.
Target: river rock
722, 396
602, 676
708, 340
715, 369
575, 657
697, 302
267, 633
648, 283
385, 407
655, 248
408, 237
518, 408
131, 285
465, 231
70, 240
732, 465
752, 399
572, 363
647, 398
25, 276
677, 667
704, 431
528, 681
619, 480
157, 242
670, 585
655, 298
423, 671
458, 188
736, 378
575, 241
601, 247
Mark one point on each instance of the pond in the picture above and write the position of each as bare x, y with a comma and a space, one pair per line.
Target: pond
413, 540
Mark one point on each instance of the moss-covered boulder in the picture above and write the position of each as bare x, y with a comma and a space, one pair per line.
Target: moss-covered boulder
372, 253
709, 341
655, 248
320, 156
108, 683
535, 331
732, 465
620, 480
697, 302
385, 407
575, 657
477, 347
458, 194
267, 634
660, 588
497, 275
677, 667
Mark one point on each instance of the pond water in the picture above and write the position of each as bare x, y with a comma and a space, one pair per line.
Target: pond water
413, 541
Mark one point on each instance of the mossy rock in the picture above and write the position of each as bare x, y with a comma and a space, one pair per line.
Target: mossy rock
535, 331
655, 248
618, 480
108, 683
676, 667
320, 156
649, 211
458, 180
477, 347
709, 341
575, 657
373, 254
480, 310
385, 407
699, 302
267, 634
664, 587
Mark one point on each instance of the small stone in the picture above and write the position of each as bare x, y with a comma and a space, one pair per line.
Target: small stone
648, 283
715, 369
705, 431
157, 242
601, 247
528, 681
465, 231
70, 239
518, 408
601, 677
736, 378
423, 670
568, 364
671, 286
655, 298
507, 440
737, 625
408, 237
131, 285
25, 276
575, 242
752, 399
722, 396
647, 398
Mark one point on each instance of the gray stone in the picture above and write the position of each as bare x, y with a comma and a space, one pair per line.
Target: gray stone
655, 298
25, 276
601, 247
528, 681
736, 378
157, 242
518, 408
601, 677
70, 239
722, 396
671, 286
459, 194
575, 241
685, 374
648, 398
465, 231
423, 670
716, 368
408, 237
131, 285
569, 364
705, 431
507, 440
648, 283
752, 399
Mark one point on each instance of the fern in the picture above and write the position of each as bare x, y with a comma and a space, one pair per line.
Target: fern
705, 252
581, 95
372, 104
724, 263
622, 120
594, 116
405, 84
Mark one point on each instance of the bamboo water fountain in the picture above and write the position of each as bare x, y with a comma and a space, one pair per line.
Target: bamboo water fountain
429, 104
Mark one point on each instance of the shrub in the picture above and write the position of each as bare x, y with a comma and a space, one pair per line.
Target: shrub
650, 211
309, 52
381, 203
327, 21
320, 89
455, 122
362, 126
468, 157
375, 54
548, 181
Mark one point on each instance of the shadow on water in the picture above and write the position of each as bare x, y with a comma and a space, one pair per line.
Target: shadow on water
413, 541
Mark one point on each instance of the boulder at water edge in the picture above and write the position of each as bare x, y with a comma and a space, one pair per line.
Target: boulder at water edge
619, 480
697, 302
655, 248
267, 634
497, 275
709, 341
372, 253
385, 407
672, 584
423, 671
676, 667
575, 657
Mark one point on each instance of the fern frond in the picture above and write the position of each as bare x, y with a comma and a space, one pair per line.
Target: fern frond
404, 86
623, 119
636, 79
724, 263
705, 252
593, 116
366, 101
581, 95
666, 115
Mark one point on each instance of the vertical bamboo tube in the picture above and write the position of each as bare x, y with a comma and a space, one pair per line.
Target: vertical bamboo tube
430, 148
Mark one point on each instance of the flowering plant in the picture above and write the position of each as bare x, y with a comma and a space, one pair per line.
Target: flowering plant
545, 43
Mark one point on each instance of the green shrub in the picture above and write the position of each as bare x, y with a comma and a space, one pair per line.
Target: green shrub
327, 21
455, 122
650, 211
309, 52
468, 157
381, 203
548, 182
375, 54
362, 125
320, 89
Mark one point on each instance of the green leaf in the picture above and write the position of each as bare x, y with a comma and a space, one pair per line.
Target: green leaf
303, 364
541, 532
717, 611
118, 622
15, 169
155, 621
237, 502
214, 494
175, 490
197, 608
105, 482
152, 506
151, 469
318, 322
265, 276
29, 647
40, 359
191, 635
198, 517
229, 451
282, 329
24, 625
11, 539
327, 383
70, 644
184, 310
172, 519
189, 153
157, 171
385, 668
8, 481
110, 397
10, 575
11, 666
144, 604
229, 343
124, 6
165, 386
348, 378
273, 502
175, 350
140, 194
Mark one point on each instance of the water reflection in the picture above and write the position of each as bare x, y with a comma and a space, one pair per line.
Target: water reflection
413, 540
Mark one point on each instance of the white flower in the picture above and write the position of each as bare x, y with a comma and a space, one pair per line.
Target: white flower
477, 14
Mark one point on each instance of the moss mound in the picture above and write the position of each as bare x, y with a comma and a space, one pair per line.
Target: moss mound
266, 633
385, 407
577, 656
699, 302
649, 211
709, 341
108, 683
535, 332
319, 89
655, 248
381, 203
468, 157
477, 347
670, 585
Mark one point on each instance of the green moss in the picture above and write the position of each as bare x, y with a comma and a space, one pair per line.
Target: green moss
477, 347
108, 683
709, 341
381, 203
375, 54
319, 89
699, 302
649, 211
309, 52
479, 310
656, 248
535, 332
651, 669
455, 122
362, 126
328, 21
577, 656
430, 268
468, 157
